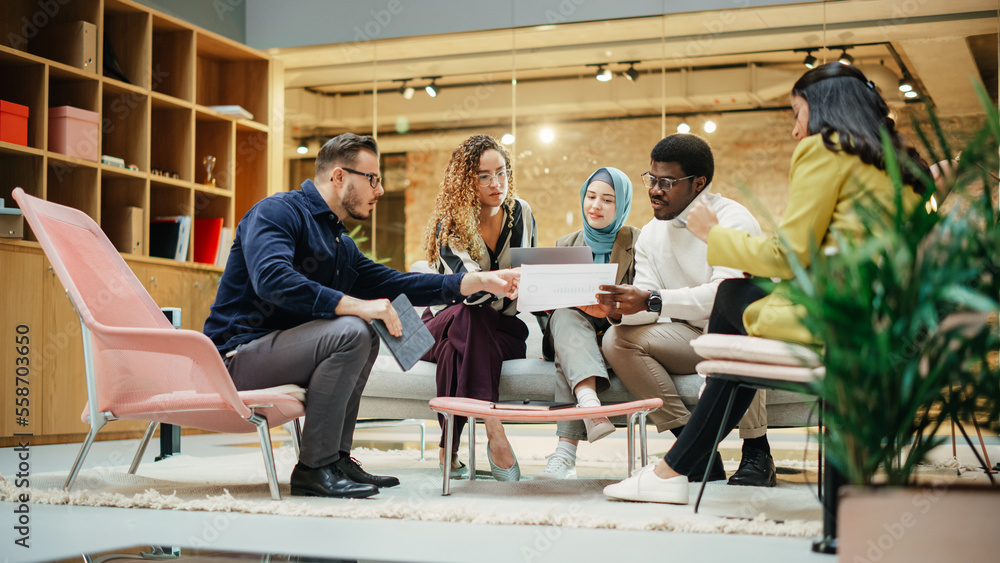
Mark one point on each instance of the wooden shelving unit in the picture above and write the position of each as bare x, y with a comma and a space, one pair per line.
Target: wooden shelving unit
157, 119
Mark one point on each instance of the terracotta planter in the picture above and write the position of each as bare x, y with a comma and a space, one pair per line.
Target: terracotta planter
939, 522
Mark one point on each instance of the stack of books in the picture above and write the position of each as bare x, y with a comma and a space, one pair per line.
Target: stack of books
169, 236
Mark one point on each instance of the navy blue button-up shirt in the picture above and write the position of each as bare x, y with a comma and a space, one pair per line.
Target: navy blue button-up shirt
291, 262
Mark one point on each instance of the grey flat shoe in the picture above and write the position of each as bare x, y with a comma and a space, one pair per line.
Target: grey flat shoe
512, 473
460, 472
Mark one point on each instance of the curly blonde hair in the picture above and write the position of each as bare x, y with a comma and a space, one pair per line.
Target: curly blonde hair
455, 221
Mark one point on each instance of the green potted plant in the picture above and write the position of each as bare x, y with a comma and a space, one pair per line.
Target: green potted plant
907, 321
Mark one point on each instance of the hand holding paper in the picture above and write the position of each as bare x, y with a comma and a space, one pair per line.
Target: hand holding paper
556, 286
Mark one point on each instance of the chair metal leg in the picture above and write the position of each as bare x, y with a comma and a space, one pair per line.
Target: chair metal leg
449, 440
472, 449
95, 427
142, 447
423, 439
264, 433
819, 478
631, 445
643, 451
297, 436
715, 447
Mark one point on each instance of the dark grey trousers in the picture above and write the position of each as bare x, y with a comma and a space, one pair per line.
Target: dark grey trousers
331, 359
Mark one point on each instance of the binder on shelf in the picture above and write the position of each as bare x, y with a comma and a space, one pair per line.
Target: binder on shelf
207, 239
225, 243
123, 226
169, 236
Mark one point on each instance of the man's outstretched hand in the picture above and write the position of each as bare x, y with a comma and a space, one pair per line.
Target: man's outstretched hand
497, 282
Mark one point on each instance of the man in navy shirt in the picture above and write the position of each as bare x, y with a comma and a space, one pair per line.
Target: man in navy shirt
296, 298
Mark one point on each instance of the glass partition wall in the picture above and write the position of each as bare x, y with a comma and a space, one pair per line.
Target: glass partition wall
568, 98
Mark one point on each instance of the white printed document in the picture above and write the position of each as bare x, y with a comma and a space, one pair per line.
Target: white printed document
555, 286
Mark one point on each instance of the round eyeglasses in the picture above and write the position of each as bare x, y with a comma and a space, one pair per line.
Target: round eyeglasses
665, 184
486, 180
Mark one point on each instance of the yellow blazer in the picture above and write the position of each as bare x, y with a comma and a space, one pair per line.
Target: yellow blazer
823, 189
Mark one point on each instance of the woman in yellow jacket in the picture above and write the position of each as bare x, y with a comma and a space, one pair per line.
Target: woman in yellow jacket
839, 161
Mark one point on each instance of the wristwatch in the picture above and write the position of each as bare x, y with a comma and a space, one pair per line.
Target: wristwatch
653, 302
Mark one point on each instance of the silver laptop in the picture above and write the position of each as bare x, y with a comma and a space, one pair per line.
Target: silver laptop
551, 255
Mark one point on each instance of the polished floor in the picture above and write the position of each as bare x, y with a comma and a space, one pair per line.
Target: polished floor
65, 533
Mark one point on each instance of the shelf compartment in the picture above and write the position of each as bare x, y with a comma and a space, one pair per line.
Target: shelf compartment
251, 169
125, 127
24, 84
214, 137
173, 60
123, 219
167, 200
40, 27
18, 170
172, 141
231, 79
127, 39
74, 186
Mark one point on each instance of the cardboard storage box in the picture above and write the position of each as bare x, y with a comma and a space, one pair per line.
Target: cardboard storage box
13, 123
73, 43
73, 132
11, 222
123, 226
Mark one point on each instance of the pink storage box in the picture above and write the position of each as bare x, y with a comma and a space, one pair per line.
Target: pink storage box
73, 132
13, 123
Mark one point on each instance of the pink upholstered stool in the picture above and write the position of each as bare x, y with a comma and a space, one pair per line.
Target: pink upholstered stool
451, 407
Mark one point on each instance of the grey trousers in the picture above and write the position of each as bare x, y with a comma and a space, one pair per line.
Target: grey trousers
644, 356
331, 359
577, 356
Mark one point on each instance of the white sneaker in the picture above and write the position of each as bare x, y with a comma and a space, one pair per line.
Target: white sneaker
598, 428
645, 486
558, 467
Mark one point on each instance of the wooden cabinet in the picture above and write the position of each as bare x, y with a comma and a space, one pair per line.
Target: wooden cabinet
156, 115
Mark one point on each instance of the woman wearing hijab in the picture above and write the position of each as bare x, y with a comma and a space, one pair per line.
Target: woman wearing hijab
573, 336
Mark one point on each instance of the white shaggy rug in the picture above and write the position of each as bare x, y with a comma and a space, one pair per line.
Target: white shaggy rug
236, 483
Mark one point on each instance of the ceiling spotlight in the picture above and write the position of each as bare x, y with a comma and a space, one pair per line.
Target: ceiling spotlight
911, 94
432, 88
709, 126
845, 58
303, 149
683, 127
406, 91
507, 139
547, 135
631, 74
810, 60
905, 85
603, 74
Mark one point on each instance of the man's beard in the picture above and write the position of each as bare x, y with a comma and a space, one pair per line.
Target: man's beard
353, 204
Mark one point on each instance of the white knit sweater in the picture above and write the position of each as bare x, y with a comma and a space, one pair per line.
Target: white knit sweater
669, 258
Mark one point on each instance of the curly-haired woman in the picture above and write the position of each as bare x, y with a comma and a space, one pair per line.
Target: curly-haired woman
476, 222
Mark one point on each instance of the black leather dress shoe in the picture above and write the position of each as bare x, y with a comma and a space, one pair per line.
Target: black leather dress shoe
328, 481
718, 472
756, 469
350, 467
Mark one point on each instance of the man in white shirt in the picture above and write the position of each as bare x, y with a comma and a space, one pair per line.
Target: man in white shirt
671, 299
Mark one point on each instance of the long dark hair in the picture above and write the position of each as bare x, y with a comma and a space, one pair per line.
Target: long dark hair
844, 102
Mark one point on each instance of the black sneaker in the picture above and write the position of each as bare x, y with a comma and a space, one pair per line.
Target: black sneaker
756, 469
352, 468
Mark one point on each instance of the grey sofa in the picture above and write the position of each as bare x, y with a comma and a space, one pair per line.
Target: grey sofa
392, 393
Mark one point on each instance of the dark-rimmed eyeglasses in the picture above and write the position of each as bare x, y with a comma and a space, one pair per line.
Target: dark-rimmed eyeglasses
373, 179
486, 180
665, 184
